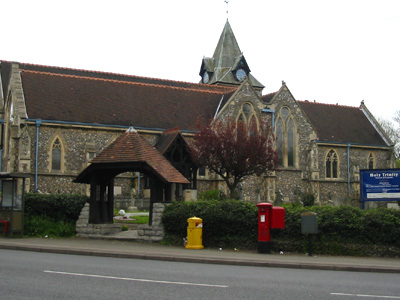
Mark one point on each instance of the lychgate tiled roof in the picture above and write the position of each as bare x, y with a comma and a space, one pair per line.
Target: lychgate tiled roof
166, 139
89, 99
131, 148
337, 123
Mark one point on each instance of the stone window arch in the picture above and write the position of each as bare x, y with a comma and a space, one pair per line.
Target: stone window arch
247, 115
285, 132
332, 164
56, 155
371, 161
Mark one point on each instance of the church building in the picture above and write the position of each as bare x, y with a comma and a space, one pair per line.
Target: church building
56, 120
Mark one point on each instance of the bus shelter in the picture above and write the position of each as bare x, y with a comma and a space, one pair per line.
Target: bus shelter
12, 203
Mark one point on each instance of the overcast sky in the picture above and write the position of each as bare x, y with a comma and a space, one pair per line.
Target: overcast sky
342, 51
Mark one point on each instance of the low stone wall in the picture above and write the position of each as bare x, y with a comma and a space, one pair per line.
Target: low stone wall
142, 203
84, 229
153, 233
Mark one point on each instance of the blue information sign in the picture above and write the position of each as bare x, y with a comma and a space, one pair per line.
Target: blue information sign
380, 185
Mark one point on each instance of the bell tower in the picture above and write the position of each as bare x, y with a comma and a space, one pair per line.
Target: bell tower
227, 66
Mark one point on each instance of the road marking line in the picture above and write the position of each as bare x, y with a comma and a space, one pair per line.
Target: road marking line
136, 279
361, 295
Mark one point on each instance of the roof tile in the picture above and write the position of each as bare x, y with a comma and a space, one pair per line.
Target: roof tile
337, 123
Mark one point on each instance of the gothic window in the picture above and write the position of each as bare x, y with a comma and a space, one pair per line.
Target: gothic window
331, 164
370, 161
290, 143
247, 116
285, 134
56, 155
279, 140
247, 110
253, 125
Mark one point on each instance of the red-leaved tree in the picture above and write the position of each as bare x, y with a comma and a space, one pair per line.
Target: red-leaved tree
234, 151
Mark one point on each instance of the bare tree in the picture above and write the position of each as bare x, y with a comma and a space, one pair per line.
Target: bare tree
393, 131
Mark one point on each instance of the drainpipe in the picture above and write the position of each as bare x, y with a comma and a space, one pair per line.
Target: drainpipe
348, 168
38, 122
272, 112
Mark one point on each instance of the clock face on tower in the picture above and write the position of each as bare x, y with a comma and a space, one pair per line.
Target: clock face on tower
240, 74
206, 77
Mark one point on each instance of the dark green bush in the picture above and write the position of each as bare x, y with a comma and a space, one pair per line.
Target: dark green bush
55, 206
229, 222
52, 215
42, 226
343, 230
308, 199
212, 195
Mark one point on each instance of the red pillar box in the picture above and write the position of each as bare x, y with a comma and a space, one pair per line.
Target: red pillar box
268, 217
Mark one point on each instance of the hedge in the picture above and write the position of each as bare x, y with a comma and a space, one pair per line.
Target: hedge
61, 207
225, 222
343, 230
52, 215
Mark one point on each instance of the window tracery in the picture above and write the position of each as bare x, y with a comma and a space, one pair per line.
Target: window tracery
371, 161
331, 164
286, 139
56, 155
247, 116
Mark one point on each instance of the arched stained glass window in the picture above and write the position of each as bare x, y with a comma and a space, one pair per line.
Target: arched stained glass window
56, 155
370, 161
253, 125
285, 131
332, 164
290, 143
285, 113
279, 140
247, 117
247, 109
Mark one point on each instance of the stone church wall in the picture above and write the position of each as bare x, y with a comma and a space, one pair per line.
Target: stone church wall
78, 145
289, 184
289, 181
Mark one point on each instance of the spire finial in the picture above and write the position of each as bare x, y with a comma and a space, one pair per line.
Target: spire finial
227, 7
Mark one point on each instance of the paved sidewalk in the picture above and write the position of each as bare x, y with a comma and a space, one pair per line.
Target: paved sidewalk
156, 251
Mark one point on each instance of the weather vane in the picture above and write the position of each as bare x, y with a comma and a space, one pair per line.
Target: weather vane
227, 6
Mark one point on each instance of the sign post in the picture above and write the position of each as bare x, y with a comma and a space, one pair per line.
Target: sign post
379, 185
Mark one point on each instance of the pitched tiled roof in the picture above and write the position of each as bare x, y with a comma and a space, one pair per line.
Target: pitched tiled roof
6, 65
344, 124
143, 102
268, 97
131, 149
165, 140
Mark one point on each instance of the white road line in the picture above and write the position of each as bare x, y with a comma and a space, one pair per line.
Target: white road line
361, 295
136, 279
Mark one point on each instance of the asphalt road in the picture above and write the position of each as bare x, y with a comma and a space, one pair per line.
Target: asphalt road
32, 275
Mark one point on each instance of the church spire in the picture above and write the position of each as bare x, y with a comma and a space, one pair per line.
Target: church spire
227, 49
227, 66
